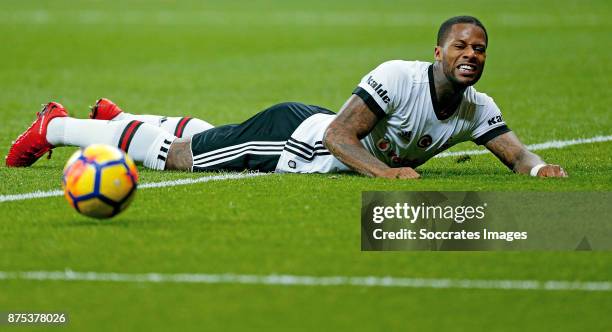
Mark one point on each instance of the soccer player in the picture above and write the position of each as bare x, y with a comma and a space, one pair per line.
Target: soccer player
400, 115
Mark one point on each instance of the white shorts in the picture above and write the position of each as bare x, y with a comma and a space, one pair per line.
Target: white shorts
304, 151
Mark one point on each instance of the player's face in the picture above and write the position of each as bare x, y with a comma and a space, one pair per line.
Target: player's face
463, 54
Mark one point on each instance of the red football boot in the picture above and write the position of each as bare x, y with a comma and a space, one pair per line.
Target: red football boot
104, 109
33, 144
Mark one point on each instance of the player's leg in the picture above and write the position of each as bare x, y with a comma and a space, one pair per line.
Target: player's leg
143, 142
255, 144
105, 109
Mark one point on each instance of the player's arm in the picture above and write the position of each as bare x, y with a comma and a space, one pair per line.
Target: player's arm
342, 138
515, 155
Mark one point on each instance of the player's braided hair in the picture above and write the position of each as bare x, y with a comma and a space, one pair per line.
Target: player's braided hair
448, 24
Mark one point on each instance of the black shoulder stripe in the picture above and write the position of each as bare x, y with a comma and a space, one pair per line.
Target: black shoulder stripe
491, 134
369, 100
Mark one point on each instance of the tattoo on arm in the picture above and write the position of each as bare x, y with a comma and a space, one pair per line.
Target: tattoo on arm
343, 135
513, 153
354, 156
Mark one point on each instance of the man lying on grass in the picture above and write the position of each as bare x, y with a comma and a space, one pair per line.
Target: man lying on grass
400, 115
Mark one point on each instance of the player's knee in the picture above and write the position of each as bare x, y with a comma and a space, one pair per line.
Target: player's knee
179, 155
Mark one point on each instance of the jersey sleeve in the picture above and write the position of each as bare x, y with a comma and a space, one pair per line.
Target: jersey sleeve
490, 123
380, 89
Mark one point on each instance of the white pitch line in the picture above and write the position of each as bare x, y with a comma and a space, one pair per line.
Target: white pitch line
301, 280
170, 183
535, 147
181, 182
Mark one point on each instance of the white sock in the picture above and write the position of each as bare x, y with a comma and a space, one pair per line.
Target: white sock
177, 126
144, 143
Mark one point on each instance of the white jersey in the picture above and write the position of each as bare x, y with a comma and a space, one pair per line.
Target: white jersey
410, 130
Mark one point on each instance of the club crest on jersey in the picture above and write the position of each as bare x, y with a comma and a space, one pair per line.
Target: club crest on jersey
398, 161
395, 159
383, 144
378, 88
291, 164
424, 141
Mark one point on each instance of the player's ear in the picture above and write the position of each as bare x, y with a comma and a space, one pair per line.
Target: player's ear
438, 53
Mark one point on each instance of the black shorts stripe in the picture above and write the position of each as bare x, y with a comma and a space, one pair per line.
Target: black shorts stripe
311, 152
237, 149
299, 148
238, 154
306, 145
305, 157
317, 146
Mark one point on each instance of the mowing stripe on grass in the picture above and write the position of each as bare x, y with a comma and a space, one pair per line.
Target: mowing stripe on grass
171, 183
281, 17
181, 182
296, 280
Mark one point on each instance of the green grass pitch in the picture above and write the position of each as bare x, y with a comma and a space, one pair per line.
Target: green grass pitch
548, 68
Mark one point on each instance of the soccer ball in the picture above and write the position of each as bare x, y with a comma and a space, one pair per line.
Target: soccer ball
99, 181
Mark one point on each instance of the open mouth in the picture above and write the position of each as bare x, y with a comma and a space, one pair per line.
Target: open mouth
467, 69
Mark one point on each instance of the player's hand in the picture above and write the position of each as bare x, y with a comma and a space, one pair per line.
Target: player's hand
552, 171
400, 173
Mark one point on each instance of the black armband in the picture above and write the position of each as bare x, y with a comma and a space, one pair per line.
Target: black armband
491, 134
369, 100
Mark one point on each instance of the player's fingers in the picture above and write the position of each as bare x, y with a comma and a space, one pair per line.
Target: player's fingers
543, 172
553, 171
558, 171
413, 174
407, 173
546, 171
408, 176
